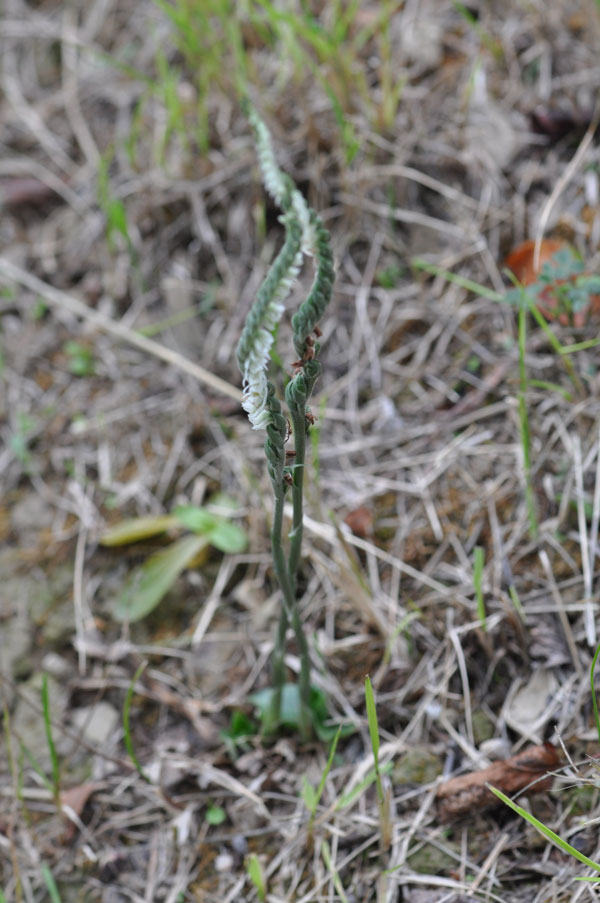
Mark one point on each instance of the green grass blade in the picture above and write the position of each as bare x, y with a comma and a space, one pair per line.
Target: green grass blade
477, 582
353, 794
372, 719
127, 724
27, 754
419, 264
514, 596
50, 884
544, 829
348, 798
50, 739
326, 854
255, 873
551, 387
579, 346
327, 769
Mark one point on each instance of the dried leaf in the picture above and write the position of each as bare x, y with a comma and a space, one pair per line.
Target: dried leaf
521, 262
76, 797
137, 528
360, 521
520, 259
461, 796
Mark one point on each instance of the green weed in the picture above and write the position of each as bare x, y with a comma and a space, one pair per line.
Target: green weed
547, 832
113, 208
478, 562
50, 884
255, 872
337, 883
574, 291
312, 796
383, 798
215, 815
127, 738
55, 765
147, 585
80, 359
20, 440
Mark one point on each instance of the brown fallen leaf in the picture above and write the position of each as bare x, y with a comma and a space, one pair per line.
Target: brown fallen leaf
360, 521
520, 259
520, 262
76, 798
461, 796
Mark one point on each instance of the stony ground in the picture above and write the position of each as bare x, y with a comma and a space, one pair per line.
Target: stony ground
133, 237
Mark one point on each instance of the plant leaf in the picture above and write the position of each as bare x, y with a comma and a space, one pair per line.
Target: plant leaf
228, 537
215, 815
308, 794
199, 520
544, 829
290, 710
224, 535
147, 585
137, 528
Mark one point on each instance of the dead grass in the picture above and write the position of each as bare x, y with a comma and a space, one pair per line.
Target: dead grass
419, 424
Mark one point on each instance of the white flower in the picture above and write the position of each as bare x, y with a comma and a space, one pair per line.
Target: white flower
273, 178
309, 235
254, 367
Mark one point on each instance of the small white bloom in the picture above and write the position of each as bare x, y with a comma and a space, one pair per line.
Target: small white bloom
254, 372
272, 176
309, 235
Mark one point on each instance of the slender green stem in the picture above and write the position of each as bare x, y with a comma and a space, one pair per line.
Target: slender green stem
281, 571
299, 428
304, 682
278, 670
281, 568
290, 612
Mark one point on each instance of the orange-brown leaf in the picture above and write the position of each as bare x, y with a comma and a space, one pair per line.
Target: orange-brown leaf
520, 262
467, 793
360, 521
520, 259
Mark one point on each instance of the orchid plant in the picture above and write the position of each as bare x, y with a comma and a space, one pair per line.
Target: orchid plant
305, 235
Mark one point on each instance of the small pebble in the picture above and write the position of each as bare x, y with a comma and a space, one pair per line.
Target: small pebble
239, 844
224, 862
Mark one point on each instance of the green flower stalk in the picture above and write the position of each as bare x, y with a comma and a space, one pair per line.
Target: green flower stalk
305, 235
